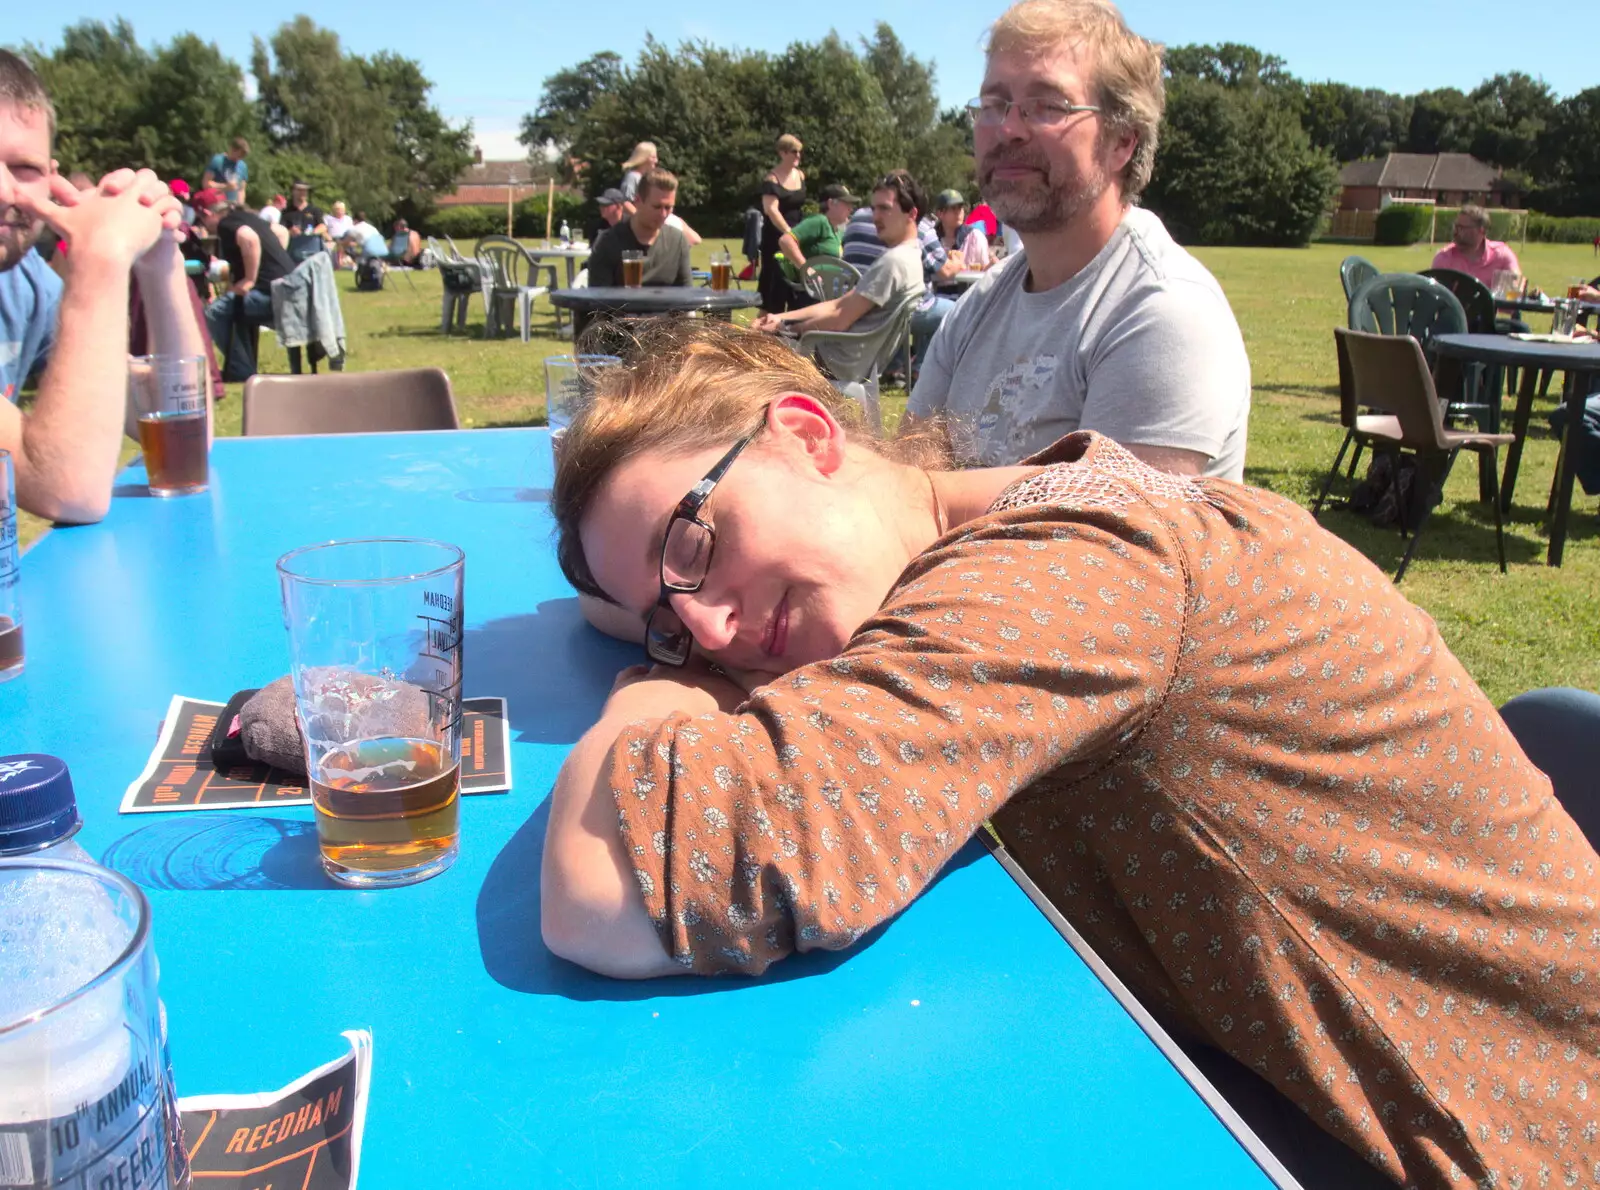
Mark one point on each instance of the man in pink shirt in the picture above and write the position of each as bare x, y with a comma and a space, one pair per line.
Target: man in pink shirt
1472, 251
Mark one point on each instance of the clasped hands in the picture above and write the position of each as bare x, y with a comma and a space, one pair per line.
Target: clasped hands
129, 220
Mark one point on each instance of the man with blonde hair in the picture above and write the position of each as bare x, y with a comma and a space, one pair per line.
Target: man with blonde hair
1102, 322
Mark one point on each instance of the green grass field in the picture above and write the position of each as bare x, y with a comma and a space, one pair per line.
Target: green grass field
1533, 627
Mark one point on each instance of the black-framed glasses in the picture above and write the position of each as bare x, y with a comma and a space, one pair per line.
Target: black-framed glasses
991, 111
685, 562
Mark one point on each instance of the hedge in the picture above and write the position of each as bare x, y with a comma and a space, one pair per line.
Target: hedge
527, 218
1402, 223
1547, 229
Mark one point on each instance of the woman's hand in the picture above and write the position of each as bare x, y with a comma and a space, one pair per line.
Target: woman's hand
654, 692
767, 322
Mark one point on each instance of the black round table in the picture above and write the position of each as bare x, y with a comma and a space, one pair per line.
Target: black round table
653, 299
1579, 364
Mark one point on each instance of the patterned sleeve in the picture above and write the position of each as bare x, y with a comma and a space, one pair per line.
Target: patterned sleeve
1036, 639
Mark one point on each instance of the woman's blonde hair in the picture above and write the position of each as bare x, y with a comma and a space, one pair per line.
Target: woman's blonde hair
789, 143
686, 387
642, 152
1127, 84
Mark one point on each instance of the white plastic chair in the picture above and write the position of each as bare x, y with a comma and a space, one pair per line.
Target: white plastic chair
881, 343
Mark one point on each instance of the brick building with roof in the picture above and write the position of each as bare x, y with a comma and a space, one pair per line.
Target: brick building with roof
1448, 179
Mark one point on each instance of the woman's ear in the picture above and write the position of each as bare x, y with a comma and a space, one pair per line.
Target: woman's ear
808, 424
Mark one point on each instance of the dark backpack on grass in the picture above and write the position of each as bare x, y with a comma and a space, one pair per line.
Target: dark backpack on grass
369, 273
1396, 492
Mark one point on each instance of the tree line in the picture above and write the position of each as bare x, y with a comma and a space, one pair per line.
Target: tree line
1249, 153
357, 128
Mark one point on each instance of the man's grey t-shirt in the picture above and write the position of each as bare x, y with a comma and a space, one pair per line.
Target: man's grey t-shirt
892, 278
1140, 345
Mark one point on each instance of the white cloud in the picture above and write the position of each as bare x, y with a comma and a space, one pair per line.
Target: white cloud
499, 143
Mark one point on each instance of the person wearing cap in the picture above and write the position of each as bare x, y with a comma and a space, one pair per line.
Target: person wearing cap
272, 213
817, 235
957, 235
613, 210
300, 218
255, 260
73, 334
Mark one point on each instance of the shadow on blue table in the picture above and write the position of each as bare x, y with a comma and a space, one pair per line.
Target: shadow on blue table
515, 956
230, 852
124, 490
553, 669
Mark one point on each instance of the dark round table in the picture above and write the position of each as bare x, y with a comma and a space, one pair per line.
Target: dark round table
1579, 364
653, 299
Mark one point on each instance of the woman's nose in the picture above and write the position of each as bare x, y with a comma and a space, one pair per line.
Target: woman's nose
711, 619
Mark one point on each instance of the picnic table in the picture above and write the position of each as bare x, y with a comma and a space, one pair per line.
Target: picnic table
964, 1042
653, 299
1579, 363
570, 253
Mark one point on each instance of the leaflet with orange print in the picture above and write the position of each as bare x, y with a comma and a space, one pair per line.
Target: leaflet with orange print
305, 1137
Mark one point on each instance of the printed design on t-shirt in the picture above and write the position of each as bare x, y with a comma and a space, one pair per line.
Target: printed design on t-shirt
1016, 400
10, 353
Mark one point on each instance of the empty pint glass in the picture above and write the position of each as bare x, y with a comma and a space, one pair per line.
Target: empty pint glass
10, 593
569, 381
375, 658
172, 397
86, 1095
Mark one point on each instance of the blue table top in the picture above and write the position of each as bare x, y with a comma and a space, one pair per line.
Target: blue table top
963, 1043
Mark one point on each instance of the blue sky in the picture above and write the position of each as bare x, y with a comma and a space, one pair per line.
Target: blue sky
487, 60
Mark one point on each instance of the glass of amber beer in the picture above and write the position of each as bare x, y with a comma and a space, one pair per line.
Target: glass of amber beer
721, 269
10, 605
633, 269
375, 658
171, 395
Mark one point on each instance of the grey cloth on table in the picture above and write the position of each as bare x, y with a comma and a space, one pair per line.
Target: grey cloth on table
305, 307
270, 730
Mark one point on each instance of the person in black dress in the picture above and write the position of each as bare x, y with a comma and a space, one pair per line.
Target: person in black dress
783, 196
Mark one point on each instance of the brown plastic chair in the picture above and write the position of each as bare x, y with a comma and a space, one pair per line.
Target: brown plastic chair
349, 403
1390, 372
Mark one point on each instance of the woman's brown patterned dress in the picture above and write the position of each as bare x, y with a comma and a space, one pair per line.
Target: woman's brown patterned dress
1235, 757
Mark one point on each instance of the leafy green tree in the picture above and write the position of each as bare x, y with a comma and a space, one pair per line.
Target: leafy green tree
1509, 113
119, 104
1236, 167
367, 120
1352, 123
1441, 122
566, 100
1568, 157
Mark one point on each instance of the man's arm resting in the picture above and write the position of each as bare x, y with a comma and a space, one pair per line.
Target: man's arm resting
66, 447
249, 259
840, 314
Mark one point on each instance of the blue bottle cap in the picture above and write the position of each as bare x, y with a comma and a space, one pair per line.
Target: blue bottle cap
37, 805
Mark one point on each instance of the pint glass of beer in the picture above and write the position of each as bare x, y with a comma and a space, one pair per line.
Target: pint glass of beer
633, 269
172, 396
375, 658
10, 604
721, 269
569, 381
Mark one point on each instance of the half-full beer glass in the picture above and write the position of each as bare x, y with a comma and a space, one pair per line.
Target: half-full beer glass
10, 601
172, 397
375, 657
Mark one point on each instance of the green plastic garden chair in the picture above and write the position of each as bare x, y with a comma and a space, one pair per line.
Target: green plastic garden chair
1354, 272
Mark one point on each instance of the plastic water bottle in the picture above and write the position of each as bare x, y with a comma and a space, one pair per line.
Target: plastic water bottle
566, 233
85, 1088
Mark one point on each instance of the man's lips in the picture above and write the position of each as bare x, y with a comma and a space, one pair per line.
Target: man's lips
776, 637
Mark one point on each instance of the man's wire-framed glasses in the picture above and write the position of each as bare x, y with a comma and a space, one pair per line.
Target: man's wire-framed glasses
991, 111
685, 562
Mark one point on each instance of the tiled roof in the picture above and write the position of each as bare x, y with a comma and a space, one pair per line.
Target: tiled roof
1420, 171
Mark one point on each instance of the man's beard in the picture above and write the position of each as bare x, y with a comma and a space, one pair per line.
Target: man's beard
1037, 203
17, 235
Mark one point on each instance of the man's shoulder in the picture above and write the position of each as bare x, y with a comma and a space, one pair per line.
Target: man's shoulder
32, 284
